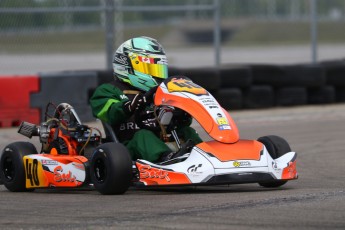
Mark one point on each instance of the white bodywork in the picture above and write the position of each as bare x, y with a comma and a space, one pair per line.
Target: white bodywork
200, 166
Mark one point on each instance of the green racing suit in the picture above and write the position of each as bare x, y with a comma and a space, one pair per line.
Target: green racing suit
107, 103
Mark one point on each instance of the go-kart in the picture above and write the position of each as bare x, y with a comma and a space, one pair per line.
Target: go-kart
65, 162
64, 158
226, 159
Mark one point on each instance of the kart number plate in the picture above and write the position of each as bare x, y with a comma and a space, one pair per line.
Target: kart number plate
185, 85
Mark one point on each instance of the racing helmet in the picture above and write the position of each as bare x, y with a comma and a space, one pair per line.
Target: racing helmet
140, 62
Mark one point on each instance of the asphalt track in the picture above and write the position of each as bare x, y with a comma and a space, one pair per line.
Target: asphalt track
315, 201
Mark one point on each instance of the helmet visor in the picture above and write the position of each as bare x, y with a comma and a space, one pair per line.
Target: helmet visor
156, 66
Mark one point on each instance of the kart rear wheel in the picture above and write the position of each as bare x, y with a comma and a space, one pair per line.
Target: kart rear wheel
276, 147
111, 168
12, 171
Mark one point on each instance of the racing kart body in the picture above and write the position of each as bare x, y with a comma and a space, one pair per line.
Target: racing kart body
75, 155
226, 159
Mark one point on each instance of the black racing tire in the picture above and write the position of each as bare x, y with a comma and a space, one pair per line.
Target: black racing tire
105, 76
340, 94
174, 71
276, 147
229, 98
235, 76
305, 75
291, 96
290, 75
264, 74
258, 96
12, 171
335, 72
111, 169
207, 77
321, 95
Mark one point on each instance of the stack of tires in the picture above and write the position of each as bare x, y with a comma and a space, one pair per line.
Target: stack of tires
293, 84
258, 86
335, 78
72, 87
238, 80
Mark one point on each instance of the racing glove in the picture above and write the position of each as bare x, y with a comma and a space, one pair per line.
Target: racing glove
146, 120
137, 103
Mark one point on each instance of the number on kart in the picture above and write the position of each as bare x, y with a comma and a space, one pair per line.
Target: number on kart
183, 85
31, 172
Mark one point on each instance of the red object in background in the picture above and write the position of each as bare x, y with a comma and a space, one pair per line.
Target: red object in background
15, 100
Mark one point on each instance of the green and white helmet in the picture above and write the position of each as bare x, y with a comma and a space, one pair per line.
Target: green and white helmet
141, 62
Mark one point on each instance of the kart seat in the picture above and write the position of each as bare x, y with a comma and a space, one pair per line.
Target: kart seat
110, 135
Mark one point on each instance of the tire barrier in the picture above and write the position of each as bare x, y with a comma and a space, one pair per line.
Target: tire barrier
272, 75
205, 77
258, 96
15, 94
174, 71
235, 76
72, 87
229, 98
234, 86
104, 76
304, 75
291, 96
340, 94
292, 75
335, 73
321, 95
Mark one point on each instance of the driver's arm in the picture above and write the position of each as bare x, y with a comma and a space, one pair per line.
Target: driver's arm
107, 104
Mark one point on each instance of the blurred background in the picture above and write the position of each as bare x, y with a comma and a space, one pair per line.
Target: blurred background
50, 35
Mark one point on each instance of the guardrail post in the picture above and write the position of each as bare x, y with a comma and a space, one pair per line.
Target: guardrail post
109, 32
217, 32
313, 30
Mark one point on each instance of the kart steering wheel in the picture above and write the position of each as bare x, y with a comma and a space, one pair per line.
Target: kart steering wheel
149, 95
138, 114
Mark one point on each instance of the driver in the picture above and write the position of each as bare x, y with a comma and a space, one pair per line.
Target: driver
139, 65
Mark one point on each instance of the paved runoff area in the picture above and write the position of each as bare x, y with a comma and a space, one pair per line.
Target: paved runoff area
315, 201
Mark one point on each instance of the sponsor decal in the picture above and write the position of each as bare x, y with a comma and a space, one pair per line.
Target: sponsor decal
123, 97
209, 102
120, 68
241, 164
275, 167
60, 176
146, 59
31, 166
49, 162
78, 166
147, 171
194, 168
222, 121
162, 61
128, 125
121, 59
185, 85
224, 127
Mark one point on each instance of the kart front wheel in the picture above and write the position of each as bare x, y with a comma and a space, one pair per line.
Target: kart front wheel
111, 168
12, 171
276, 147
